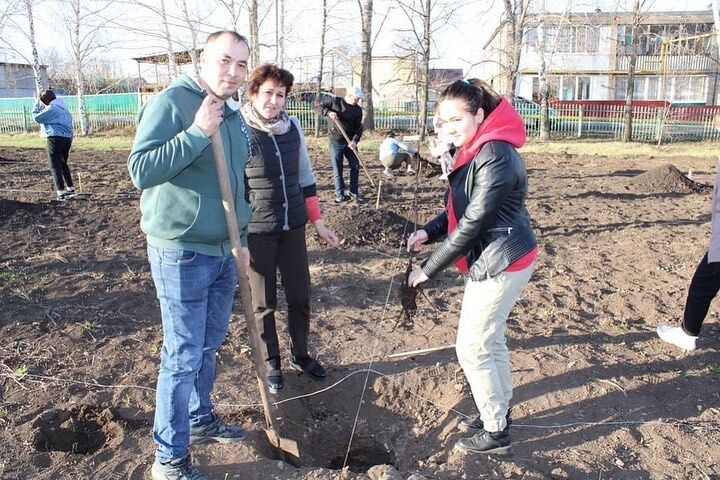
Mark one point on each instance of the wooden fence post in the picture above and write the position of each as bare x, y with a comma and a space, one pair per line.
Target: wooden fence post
26, 126
581, 114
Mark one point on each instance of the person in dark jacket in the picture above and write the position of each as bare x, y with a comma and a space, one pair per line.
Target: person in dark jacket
283, 198
57, 125
346, 111
489, 238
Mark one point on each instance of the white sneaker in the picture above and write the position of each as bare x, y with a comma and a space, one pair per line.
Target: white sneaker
389, 173
676, 336
411, 170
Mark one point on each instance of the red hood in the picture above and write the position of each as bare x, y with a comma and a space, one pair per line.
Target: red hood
503, 123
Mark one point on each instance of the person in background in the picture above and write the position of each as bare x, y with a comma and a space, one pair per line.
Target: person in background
56, 124
189, 249
393, 154
487, 235
349, 114
283, 196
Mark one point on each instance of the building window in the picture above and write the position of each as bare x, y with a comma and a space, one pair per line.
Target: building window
687, 88
644, 88
583, 88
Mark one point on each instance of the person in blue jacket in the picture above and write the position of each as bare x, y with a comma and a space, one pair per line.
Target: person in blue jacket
57, 125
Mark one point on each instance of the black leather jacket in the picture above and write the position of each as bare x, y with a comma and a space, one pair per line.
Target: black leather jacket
493, 225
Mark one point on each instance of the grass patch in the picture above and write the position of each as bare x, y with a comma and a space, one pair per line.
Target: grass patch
608, 148
100, 141
122, 139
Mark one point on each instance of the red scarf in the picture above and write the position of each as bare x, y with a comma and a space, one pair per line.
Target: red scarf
503, 123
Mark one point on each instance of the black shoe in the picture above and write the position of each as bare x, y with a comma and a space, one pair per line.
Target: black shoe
274, 375
469, 423
308, 365
497, 443
341, 198
354, 197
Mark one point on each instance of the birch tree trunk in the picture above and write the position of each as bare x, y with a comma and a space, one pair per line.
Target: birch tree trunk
366, 11
280, 31
172, 66
193, 30
632, 61
39, 80
425, 72
323, 31
78, 64
254, 35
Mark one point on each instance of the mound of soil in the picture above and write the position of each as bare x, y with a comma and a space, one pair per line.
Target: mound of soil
367, 227
666, 178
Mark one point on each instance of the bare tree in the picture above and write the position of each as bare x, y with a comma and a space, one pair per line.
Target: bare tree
193, 32
512, 27
172, 65
547, 47
318, 89
19, 17
234, 9
254, 35
716, 17
425, 18
636, 18
366, 12
85, 24
280, 30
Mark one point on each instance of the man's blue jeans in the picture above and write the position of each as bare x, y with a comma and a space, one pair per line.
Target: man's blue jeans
339, 150
196, 294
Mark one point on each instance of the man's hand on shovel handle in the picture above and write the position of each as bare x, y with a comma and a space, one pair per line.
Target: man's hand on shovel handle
209, 115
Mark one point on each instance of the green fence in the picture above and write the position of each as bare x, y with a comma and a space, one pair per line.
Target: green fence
104, 112
650, 124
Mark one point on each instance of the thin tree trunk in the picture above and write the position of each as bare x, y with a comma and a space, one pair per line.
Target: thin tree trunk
425, 80
323, 31
628, 113
172, 66
39, 80
193, 37
280, 31
79, 77
366, 9
254, 35
543, 82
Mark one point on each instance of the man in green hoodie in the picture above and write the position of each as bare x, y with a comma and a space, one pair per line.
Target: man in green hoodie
189, 249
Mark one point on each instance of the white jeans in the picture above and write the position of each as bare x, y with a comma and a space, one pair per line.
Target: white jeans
481, 347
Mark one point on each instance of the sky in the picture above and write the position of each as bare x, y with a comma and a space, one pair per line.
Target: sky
456, 43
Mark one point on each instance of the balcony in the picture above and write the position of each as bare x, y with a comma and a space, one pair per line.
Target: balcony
669, 64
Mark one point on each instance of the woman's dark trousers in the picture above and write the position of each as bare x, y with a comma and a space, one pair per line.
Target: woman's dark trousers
284, 251
704, 286
58, 149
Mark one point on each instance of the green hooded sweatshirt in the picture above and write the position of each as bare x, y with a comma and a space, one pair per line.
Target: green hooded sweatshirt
172, 162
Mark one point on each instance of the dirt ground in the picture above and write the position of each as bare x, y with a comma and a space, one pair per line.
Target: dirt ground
597, 395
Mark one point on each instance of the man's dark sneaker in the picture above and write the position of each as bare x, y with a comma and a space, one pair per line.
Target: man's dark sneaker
62, 195
216, 431
180, 469
274, 375
354, 197
341, 198
308, 365
70, 192
497, 443
467, 424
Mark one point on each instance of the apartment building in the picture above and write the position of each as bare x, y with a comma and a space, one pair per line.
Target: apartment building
587, 57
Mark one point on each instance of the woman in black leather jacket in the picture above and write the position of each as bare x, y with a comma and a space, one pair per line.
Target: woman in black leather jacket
487, 234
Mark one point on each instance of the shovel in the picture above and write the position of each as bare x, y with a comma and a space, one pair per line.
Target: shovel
284, 446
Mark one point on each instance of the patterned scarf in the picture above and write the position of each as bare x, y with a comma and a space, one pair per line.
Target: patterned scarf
277, 126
